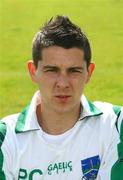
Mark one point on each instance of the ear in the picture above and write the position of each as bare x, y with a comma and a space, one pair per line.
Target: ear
32, 70
90, 70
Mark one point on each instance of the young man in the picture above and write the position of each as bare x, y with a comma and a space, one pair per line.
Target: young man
60, 135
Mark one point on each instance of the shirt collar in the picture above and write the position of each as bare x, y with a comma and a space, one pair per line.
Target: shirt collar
27, 120
88, 109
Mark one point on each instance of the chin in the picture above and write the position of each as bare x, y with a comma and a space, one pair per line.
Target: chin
63, 109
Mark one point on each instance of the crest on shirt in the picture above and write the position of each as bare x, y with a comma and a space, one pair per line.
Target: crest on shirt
90, 167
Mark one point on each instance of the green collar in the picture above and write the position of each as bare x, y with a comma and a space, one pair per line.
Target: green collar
27, 120
88, 109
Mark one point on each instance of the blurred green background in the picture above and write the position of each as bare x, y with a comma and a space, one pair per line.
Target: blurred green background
102, 20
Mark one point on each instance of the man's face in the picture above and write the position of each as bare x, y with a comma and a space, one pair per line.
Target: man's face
61, 76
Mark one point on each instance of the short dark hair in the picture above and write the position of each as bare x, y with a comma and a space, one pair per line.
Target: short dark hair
60, 31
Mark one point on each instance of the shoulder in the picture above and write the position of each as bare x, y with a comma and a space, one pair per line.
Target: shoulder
112, 115
8, 123
109, 109
120, 124
110, 122
2, 132
7, 134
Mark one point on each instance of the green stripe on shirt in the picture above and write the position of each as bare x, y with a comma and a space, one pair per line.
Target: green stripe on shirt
21, 120
117, 169
2, 137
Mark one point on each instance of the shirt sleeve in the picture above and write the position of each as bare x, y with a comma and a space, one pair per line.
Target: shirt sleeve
109, 158
108, 169
5, 173
117, 169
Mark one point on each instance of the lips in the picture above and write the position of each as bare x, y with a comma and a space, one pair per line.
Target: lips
62, 98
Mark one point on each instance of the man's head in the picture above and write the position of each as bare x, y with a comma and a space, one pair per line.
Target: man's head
60, 32
61, 65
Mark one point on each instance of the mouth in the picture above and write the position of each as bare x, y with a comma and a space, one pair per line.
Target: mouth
63, 98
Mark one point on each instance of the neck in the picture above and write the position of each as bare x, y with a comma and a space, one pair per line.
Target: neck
55, 123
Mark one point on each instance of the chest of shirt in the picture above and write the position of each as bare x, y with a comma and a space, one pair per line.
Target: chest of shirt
77, 155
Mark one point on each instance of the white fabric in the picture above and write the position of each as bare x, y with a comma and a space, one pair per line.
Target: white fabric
56, 139
38, 156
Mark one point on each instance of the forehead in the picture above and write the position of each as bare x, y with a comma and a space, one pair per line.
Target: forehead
60, 56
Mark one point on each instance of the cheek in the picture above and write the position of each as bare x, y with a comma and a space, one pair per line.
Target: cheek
79, 80
79, 85
45, 83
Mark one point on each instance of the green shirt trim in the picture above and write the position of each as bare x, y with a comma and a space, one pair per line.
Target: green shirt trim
21, 120
117, 109
2, 137
94, 110
117, 169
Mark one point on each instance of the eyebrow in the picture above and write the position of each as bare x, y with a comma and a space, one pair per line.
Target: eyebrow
76, 68
69, 68
49, 66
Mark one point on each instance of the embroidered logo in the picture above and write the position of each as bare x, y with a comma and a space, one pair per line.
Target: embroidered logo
90, 167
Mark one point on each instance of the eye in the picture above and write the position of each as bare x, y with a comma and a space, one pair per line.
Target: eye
49, 70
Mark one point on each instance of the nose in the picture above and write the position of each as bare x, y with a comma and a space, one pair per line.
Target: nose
62, 81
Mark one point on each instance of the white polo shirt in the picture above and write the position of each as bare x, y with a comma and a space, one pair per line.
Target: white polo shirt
85, 152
